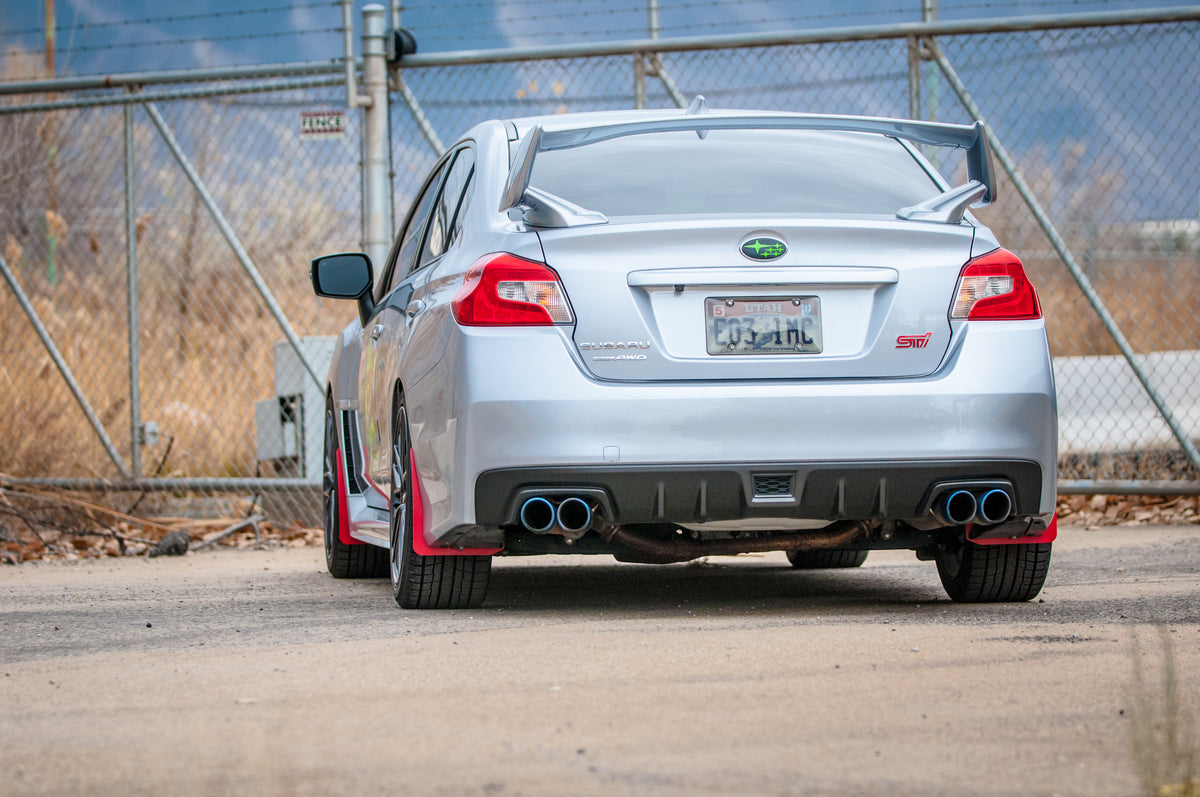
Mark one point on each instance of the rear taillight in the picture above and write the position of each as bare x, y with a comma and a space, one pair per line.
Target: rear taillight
506, 290
994, 287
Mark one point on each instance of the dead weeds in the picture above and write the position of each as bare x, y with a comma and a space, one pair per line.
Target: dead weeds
40, 524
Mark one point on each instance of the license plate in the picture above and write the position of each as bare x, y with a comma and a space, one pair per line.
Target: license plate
790, 325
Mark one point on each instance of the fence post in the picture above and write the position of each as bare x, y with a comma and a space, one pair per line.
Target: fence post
914, 77
135, 386
377, 191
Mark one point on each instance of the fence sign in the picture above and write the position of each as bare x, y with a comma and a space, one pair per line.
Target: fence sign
322, 124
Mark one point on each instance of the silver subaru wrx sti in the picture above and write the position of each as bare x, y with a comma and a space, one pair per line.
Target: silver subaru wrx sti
662, 335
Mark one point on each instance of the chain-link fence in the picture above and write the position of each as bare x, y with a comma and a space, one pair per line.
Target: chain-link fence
1100, 124
205, 332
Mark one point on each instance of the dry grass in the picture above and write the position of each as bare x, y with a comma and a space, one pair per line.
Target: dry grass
201, 394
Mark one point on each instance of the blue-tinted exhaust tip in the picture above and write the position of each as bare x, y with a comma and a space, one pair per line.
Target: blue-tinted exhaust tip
537, 515
994, 507
574, 515
958, 508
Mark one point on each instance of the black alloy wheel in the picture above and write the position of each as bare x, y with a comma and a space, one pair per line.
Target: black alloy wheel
973, 573
424, 582
342, 560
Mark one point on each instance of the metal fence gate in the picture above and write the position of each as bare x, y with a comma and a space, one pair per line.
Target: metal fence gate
156, 319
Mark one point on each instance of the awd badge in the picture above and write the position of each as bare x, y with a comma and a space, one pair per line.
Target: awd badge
764, 247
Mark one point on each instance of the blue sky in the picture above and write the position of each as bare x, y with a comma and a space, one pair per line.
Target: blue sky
108, 36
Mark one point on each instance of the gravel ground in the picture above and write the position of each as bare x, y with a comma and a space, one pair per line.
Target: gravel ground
254, 672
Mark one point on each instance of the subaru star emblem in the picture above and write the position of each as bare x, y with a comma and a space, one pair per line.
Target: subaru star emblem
764, 247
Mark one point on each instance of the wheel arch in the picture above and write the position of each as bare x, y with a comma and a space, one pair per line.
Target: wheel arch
421, 508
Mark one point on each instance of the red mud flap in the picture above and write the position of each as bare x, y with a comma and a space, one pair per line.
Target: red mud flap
343, 518
1004, 535
419, 544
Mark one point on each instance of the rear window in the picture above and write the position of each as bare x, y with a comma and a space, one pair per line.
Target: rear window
737, 171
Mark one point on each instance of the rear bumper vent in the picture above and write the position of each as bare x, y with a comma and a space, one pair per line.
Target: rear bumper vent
773, 486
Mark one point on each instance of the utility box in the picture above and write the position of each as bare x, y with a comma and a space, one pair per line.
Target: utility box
290, 426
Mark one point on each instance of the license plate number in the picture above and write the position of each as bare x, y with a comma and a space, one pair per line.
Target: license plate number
790, 325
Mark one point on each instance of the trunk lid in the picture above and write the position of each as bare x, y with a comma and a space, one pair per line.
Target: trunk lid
851, 298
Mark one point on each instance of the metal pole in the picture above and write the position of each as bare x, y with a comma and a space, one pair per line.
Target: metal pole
63, 368
652, 64
639, 59
639, 80
135, 383
414, 107
928, 16
1105, 487
185, 485
231, 237
787, 38
183, 94
914, 77
668, 82
50, 138
1009, 165
172, 76
377, 188
352, 99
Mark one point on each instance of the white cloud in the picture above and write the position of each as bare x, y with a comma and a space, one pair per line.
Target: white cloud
303, 18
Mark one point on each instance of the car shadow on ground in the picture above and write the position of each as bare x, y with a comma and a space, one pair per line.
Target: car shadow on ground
705, 588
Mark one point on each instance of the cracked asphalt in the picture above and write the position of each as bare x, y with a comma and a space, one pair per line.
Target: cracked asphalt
254, 672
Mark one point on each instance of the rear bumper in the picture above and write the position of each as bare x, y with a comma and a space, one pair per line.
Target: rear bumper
689, 494
857, 448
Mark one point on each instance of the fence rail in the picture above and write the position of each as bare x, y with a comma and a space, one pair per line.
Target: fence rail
143, 290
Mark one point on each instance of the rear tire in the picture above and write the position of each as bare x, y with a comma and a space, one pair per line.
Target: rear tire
342, 560
974, 573
425, 582
830, 558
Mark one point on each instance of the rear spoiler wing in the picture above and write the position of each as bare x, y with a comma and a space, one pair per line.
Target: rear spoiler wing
971, 137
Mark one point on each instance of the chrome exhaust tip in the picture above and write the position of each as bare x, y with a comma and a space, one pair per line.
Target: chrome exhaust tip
994, 507
537, 515
957, 508
574, 515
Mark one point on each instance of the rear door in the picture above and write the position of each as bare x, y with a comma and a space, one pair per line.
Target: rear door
385, 332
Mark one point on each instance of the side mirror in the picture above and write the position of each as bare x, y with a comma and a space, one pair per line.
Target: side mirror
345, 276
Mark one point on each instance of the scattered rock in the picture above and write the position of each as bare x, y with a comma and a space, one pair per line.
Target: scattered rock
174, 543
